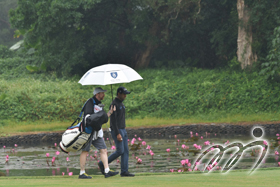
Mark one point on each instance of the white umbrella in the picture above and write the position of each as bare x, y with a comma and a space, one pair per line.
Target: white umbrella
109, 74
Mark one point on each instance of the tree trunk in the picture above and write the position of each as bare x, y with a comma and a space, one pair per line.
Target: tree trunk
143, 57
245, 54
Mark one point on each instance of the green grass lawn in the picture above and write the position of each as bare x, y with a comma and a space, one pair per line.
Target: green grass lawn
262, 177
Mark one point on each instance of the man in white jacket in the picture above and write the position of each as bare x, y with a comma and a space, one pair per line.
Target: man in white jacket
91, 106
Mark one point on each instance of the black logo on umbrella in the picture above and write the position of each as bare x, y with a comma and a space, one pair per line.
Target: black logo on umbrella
114, 75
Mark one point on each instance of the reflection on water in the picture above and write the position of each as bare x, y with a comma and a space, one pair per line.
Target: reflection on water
147, 155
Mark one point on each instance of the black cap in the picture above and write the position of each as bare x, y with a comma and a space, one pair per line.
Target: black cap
122, 90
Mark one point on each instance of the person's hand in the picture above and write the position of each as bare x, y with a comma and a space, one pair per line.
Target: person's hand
112, 109
119, 137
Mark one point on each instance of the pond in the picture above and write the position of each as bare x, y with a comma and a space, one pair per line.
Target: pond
147, 155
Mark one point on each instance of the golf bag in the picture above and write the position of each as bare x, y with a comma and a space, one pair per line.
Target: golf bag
76, 137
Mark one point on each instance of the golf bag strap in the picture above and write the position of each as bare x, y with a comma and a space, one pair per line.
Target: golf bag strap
78, 119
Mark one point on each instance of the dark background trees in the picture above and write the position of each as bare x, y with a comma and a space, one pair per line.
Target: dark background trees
71, 36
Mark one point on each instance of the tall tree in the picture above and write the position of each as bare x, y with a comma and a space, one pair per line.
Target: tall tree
245, 54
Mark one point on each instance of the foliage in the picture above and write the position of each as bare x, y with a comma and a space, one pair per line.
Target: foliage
271, 68
265, 16
176, 93
72, 36
5, 52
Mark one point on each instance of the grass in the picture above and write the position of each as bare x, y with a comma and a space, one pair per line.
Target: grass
262, 177
10, 127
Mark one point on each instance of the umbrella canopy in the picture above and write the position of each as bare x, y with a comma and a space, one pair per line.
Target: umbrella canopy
109, 74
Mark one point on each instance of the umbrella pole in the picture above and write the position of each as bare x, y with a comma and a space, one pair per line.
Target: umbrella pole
112, 92
106, 123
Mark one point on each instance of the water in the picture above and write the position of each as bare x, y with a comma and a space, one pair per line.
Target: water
29, 160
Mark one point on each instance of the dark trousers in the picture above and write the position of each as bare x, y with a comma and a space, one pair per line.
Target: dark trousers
121, 150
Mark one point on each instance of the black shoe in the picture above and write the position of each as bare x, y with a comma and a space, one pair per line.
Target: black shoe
111, 173
101, 167
127, 174
84, 176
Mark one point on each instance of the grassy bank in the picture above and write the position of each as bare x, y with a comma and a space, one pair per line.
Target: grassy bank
175, 96
11, 128
259, 178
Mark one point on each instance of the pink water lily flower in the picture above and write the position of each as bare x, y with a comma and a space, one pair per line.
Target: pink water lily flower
139, 161
207, 143
113, 147
183, 162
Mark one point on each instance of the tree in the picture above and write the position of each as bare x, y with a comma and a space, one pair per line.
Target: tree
162, 14
245, 54
6, 32
257, 22
72, 35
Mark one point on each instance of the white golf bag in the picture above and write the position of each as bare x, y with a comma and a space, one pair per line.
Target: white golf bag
73, 139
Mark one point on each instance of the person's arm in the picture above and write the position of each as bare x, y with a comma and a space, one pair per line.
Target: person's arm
114, 119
